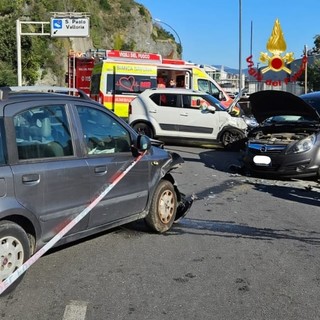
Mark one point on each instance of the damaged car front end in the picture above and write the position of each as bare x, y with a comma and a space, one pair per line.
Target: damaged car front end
177, 205
287, 141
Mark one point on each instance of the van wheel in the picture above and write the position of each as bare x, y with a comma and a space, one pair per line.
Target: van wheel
14, 251
232, 139
163, 207
144, 128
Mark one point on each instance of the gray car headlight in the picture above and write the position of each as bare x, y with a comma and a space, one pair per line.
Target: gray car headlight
303, 145
250, 121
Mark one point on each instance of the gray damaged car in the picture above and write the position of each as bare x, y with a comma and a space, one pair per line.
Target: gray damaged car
287, 141
58, 154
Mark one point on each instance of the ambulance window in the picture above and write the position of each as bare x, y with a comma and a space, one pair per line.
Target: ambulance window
130, 83
180, 81
110, 83
208, 87
214, 91
203, 85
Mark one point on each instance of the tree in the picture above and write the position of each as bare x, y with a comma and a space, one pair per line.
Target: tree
313, 80
313, 69
317, 41
313, 76
8, 76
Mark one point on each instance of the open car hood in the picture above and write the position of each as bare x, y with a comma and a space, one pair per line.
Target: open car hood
269, 103
234, 103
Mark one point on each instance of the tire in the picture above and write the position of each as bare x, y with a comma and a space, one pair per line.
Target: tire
144, 128
232, 139
163, 207
14, 251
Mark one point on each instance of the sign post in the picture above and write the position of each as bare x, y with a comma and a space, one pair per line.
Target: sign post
62, 24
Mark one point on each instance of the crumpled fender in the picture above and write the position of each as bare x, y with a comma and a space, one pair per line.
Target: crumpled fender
177, 160
183, 207
184, 203
173, 162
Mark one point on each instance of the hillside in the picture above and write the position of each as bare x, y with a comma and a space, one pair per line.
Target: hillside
114, 24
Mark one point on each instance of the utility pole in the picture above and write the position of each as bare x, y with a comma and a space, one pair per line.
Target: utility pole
240, 35
306, 71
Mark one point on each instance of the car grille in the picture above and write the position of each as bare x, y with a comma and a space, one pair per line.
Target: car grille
257, 148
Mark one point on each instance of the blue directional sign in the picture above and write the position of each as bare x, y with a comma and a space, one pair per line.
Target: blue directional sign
70, 27
57, 24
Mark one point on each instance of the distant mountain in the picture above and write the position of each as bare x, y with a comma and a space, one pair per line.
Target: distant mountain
231, 70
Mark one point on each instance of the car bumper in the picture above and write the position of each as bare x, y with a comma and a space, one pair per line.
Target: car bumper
284, 165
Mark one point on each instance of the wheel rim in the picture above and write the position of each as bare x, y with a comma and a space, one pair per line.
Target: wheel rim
144, 129
11, 257
166, 206
230, 137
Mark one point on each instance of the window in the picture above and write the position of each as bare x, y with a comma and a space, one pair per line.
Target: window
120, 84
203, 85
43, 132
102, 133
168, 100
208, 87
194, 101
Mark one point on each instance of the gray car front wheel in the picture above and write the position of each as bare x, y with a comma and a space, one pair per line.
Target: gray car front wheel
163, 207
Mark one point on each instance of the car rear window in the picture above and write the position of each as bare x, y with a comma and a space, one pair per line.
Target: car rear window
165, 99
42, 132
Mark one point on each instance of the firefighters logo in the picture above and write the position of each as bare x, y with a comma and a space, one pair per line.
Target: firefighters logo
276, 45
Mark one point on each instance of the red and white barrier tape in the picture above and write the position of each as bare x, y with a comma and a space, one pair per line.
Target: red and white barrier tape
15, 275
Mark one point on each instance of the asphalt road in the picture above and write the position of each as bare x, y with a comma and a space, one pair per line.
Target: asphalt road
248, 249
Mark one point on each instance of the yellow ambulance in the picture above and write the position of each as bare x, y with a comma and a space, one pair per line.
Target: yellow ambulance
121, 75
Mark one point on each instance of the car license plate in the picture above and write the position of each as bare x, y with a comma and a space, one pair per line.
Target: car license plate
262, 160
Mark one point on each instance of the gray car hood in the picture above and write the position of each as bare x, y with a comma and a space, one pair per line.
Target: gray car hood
269, 103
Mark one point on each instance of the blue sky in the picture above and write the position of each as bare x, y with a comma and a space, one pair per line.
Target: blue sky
209, 29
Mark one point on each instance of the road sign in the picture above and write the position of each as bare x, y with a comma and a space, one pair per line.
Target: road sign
70, 27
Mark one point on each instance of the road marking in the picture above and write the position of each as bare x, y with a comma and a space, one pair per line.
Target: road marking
75, 310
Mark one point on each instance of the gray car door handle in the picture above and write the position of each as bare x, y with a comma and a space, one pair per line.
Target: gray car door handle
31, 178
100, 170
153, 111
184, 114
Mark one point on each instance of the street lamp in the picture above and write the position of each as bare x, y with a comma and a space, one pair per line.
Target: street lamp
240, 57
175, 32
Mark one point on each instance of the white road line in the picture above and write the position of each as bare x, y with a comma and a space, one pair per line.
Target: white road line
75, 310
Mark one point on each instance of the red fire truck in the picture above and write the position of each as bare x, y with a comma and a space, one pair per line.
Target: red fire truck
80, 66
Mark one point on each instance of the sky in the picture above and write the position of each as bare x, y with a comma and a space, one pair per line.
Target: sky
209, 29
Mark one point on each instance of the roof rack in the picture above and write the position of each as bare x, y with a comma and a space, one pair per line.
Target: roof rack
6, 91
